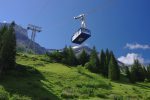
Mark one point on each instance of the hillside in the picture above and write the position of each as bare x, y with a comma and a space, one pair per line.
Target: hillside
23, 41
37, 79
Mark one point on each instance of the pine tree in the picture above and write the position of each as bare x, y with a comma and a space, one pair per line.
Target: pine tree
93, 64
127, 72
65, 54
72, 60
141, 74
145, 73
108, 56
56, 56
103, 69
134, 70
83, 57
148, 72
8, 49
137, 72
2, 31
114, 71
107, 60
12, 46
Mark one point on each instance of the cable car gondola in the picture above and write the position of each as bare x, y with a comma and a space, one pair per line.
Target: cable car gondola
83, 33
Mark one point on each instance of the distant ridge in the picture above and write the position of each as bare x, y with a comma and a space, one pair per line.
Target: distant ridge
23, 40
80, 48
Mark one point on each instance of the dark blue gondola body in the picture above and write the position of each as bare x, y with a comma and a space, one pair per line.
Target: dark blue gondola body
81, 35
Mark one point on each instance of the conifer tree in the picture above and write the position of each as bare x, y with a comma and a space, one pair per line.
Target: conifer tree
148, 72
65, 54
56, 56
114, 71
8, 49
108, 56
141, 74
145, 73
137, 72
134, 71
127, 72
107, 60
83, 57
2, 31
103, 69
93, 64
72, 60
12, 46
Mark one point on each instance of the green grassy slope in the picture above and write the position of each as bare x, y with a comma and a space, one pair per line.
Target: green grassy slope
40, 80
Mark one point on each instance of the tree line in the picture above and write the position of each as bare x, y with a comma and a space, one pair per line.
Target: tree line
105, 63
7, 47
138, 72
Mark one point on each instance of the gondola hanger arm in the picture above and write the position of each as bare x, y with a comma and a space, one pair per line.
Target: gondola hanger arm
81, 17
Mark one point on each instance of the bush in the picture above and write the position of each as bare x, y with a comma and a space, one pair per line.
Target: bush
101, 95
80, 69
55, 56
69, 93
118, 97
4, 95
146, 80
89, 92
88, 66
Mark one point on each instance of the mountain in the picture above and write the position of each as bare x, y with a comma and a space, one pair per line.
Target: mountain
23, 40
78, 49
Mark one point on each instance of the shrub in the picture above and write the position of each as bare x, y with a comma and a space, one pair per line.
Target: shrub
101, 95
118, 97
4, 95
86, 91
88, 65
69, 93
80, 69
146, 80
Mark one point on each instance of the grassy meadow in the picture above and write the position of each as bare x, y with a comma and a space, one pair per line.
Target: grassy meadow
37, 79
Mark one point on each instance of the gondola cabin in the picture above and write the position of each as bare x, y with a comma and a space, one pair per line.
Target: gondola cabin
81, 35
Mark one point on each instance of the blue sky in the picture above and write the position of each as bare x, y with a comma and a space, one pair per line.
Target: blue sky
114, 23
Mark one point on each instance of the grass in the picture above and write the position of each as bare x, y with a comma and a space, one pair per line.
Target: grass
37, 79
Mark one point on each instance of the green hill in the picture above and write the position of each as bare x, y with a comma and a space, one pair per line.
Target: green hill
37, 79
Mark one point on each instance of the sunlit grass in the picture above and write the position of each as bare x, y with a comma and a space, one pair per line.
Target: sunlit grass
37, 79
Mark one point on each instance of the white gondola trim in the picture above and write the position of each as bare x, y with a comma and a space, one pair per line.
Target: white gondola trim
79, 32
75, 35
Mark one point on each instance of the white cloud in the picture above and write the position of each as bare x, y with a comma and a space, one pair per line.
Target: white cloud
130, 57
137, 46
